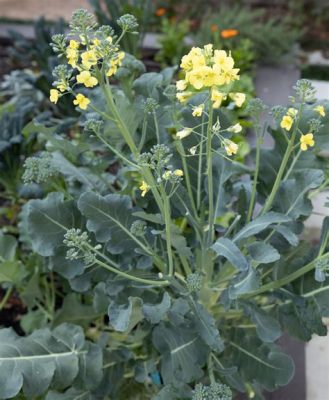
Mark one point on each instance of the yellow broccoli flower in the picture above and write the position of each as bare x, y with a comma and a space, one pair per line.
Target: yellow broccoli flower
121, 56
166, 175
198, 110
183, 96
112, 70
222, 60
320, 110
178, 172
306, 140
72, 56
87, 79
217, 97
54, 95
89, 59
286, 122
62, 87
230, 147
184, 133
96, 42
238, 98
144, 187
181, 85
292, 112
235, 128
193, 150
81, 101
74, 45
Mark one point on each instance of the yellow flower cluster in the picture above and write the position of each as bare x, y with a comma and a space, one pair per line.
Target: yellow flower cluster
207, 68
210, 69
84, 56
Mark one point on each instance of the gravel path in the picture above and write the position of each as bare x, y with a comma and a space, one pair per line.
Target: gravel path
32, 9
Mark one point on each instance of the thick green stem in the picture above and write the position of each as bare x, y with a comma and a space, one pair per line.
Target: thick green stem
292, 166
210, 178
200, 165
116, 152
130, 142
255, 181
132, 277
167, 219
157, 132
181, 151
283, 165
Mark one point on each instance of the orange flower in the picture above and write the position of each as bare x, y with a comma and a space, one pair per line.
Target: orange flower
229, 33
214, 28
160, 12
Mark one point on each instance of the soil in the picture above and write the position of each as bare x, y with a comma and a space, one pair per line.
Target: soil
11, 313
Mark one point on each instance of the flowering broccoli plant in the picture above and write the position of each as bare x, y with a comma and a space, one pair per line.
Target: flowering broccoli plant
176, 266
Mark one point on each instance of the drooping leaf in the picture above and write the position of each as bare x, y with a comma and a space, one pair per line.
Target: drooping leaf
259, 224
263, 253
155, 312
183, 353
288, 234
267, 327
124, 317
291, 198
245, 282
226, 248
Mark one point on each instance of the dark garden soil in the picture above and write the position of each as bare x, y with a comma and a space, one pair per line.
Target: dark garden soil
12, 312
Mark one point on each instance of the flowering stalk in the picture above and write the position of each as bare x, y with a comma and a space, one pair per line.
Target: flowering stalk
167, 220
255, 181
284, 281
290, 147
210, 177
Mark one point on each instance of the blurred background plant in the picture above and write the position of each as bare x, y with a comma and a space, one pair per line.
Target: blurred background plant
249, 32
108, 11
172, 41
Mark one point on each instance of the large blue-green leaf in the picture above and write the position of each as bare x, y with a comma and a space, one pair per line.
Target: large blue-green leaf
264, 363
34, 362
110, 218
226, 248
183, 353
48, 220
205, 325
